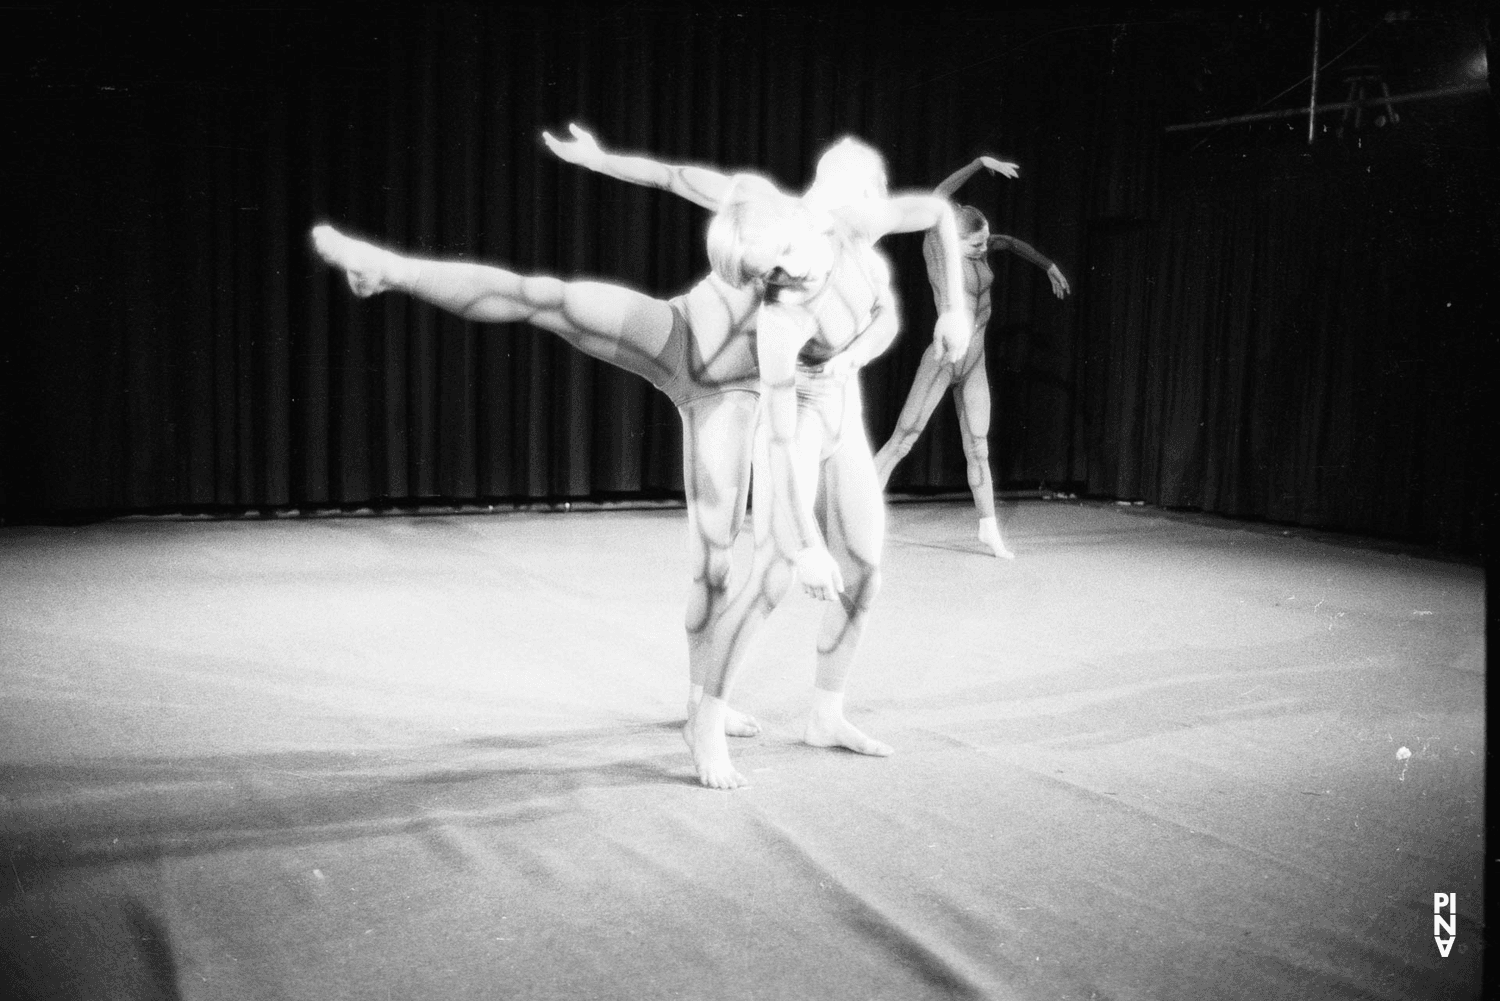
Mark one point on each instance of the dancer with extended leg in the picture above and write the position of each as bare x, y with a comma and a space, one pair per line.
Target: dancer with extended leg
814, 422
969, 377
696, 348
850, 185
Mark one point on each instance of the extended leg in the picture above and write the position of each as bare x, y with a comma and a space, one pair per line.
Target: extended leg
927, 389
854, 523
627, 329
609, 322
971, 396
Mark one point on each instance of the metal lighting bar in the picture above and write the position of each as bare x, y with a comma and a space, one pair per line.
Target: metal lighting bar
1265, 116
1312, 101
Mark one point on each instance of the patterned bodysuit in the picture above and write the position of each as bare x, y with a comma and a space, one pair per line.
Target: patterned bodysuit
978, 279
712, 348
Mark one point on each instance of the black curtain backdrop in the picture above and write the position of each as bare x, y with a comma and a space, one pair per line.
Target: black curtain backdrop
1259, 329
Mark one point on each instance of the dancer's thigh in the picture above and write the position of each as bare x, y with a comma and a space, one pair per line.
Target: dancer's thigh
971, 397
617, 310
717, 446
613, 323
853, 505
927, 388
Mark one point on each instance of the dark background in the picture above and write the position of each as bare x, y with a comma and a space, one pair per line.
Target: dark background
1260, 328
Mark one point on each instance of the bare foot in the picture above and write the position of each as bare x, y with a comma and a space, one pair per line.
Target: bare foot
368, 268
704, 734
827, 727
736, 723
989, 534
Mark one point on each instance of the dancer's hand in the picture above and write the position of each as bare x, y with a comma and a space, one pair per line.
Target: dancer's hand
1060, 286
582, 149
818, 573
1011, 170
951, 335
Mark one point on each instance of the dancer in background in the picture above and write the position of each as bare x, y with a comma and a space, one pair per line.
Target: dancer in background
701, 350
968, 377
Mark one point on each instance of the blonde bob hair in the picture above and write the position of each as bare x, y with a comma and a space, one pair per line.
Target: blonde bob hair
750, 207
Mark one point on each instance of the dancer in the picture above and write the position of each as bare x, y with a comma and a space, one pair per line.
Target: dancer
968, 377
698, 349
828, 437
814, 412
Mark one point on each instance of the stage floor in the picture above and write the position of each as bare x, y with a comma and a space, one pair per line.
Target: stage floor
438, 757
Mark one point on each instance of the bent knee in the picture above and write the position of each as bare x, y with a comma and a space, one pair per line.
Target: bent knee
544, 292
716, 570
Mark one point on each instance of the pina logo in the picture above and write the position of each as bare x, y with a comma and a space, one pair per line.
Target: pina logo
1444, 926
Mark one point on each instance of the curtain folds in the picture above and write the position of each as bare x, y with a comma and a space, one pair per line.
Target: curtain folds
1287, 337
1300, 338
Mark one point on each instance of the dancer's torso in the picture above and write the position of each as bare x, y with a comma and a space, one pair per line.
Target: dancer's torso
719, 353
978, 280
844, 308
718, 349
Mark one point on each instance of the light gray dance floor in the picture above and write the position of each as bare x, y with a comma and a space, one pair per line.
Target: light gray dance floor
438, 757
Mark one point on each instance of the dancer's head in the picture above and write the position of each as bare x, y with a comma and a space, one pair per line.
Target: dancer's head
760, 235
849, 171
973, 230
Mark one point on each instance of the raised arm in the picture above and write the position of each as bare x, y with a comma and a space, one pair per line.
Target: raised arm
956, 180
1026, 251
780, 332
698, 185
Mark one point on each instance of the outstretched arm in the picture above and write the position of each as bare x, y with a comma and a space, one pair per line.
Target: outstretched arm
780, 332
698, 185
956, 179
1022, 249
